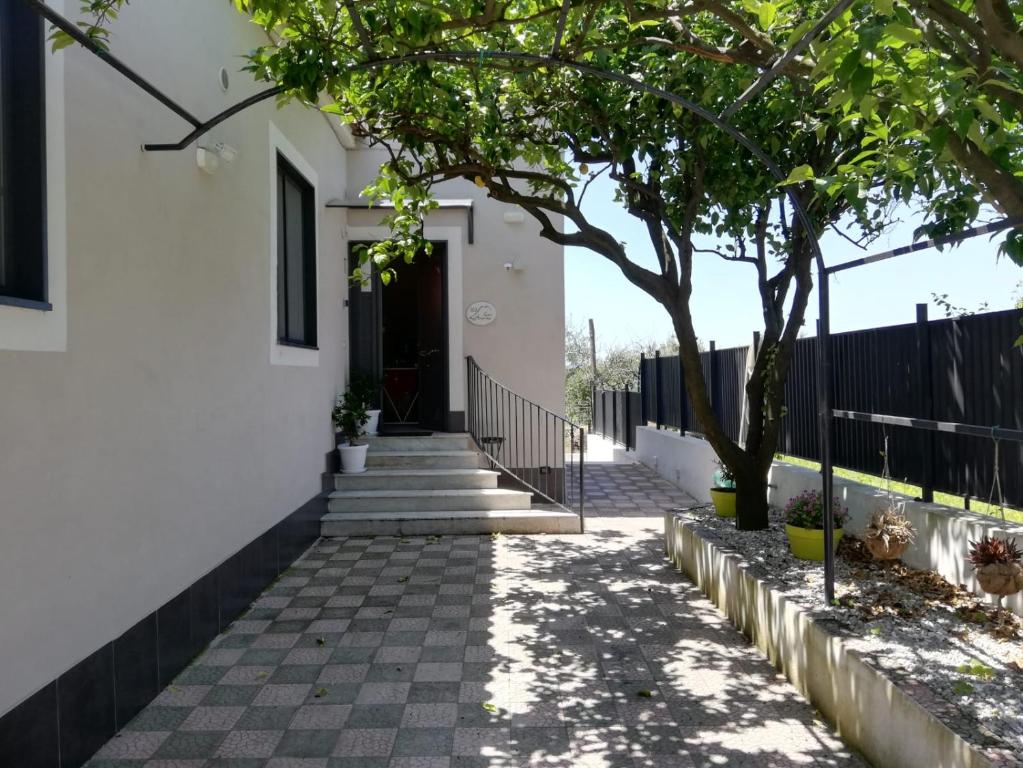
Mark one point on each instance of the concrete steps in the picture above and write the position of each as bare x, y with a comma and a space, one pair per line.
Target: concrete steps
422, 459
427, 501
456, 522
432, 484
453, 441
417, 479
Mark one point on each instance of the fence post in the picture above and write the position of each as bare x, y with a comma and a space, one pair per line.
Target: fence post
657, 388
642, 388
924, 392
593, 407
625, 416
712, 383
614, 414
683, 417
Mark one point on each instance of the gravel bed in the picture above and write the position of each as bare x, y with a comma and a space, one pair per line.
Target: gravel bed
958, 657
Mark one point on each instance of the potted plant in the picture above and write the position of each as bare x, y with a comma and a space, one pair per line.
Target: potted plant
723, 491
804, 524
889, 534
997, 563
367, 388
350, 417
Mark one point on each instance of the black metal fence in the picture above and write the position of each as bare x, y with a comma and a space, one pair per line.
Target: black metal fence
616, 414
963, 370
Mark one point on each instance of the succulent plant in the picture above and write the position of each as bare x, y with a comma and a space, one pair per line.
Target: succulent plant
889, 534
891, 527
992, 550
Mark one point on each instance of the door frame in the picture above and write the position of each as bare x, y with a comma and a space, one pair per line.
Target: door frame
455, 237
450, 420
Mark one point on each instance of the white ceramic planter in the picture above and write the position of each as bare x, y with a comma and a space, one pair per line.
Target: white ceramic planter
373, 424
353, 458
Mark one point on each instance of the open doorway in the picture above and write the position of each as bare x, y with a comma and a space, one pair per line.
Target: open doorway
399, 336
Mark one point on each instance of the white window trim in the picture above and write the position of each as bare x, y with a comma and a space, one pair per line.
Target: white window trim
284, 354
36, 330
452, 237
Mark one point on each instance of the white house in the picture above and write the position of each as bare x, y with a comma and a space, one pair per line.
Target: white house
172, 339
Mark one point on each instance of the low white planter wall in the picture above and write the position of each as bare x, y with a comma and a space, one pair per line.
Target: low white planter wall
688, 462
870, 712
943, 533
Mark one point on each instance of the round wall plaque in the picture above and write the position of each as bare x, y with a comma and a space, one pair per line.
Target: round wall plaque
481, 313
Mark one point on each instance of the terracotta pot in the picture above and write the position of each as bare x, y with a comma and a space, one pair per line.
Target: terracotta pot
893, 550
1001, 578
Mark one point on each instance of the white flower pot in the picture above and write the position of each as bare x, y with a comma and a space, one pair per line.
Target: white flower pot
353, 458
373, 423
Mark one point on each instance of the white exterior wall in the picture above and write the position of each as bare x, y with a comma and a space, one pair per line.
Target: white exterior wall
524, 348
685, 461
150, 425
156, 438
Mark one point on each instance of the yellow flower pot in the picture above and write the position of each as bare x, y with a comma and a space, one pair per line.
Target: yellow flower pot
808, 543
724, 501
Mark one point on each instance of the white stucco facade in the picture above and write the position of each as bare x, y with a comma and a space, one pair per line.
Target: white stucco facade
150, 424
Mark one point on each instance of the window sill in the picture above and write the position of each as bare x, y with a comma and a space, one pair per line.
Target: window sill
297, 345
14, 301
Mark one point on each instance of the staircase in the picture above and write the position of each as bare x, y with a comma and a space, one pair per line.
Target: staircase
434, 484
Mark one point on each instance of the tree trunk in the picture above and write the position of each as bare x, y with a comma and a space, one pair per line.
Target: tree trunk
750, 495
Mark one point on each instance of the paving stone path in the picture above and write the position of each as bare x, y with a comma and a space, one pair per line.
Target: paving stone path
480, 652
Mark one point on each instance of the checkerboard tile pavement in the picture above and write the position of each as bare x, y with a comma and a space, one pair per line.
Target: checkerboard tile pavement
481, 652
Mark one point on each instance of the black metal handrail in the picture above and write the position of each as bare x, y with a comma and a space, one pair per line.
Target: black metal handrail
539, 448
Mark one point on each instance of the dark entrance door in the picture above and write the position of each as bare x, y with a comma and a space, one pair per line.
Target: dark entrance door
399, 335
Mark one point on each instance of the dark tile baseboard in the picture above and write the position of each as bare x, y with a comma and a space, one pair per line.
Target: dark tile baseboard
456, 421
62, 725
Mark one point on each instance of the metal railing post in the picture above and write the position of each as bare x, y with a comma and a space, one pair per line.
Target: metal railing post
642, 389
657, 389
924, 392
614, 415
683, 416
714, 381
582, 481
625, 416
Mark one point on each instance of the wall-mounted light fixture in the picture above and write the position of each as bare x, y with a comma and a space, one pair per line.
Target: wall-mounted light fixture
514, 217
208, 158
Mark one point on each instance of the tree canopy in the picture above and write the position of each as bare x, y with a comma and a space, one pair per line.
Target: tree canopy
935, 87
896, 101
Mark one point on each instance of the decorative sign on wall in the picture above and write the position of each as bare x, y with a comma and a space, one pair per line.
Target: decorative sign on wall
481, 313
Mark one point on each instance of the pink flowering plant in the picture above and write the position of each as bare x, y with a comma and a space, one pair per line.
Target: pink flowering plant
807, 511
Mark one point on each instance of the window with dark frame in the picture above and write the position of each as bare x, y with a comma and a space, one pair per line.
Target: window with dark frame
296, 258
22, 157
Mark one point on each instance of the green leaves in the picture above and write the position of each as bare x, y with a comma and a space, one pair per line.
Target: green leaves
871, 113
766, 15
799, 174
962, 688
1012, 247
976, 669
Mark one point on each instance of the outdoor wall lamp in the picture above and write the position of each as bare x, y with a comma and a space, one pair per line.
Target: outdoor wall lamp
514, 217
208, 158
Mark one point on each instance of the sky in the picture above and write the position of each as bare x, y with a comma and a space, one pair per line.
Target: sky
725, 303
